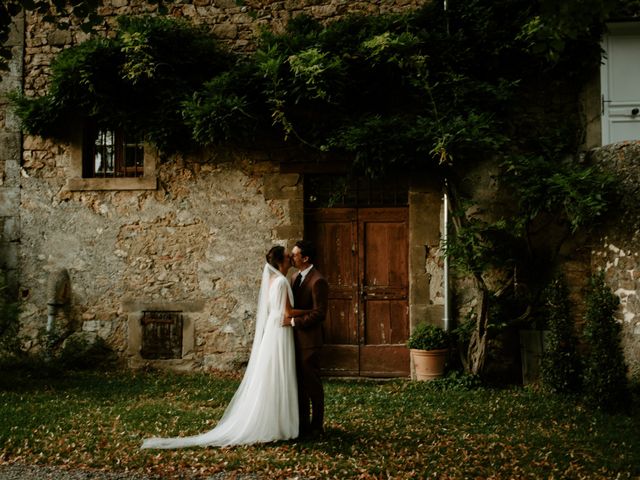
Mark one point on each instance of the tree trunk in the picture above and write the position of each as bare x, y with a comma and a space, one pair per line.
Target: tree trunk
473, 359
476, 351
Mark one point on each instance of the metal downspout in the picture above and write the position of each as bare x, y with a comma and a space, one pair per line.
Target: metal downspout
445, 235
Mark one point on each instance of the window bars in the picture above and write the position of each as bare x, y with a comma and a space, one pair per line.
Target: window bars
112, 154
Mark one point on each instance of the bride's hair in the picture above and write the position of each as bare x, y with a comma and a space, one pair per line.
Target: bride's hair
275, 257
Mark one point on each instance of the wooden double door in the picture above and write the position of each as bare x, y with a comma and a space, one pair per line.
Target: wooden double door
363, 253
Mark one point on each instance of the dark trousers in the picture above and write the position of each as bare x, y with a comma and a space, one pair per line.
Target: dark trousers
310, 391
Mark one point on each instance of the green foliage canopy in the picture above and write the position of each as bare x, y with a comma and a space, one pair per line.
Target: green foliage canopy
449, 86
137, 80
428, 90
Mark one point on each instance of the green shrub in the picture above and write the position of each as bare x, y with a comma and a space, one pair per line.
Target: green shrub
560, 366
10, 345
28, 366
84, 352
456, 380
428, 337
605, 377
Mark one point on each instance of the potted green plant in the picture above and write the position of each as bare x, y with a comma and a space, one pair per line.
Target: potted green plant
429, 346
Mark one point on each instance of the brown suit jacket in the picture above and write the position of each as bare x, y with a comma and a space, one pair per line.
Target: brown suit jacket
312, 295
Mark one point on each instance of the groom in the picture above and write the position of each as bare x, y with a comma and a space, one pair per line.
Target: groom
310, 292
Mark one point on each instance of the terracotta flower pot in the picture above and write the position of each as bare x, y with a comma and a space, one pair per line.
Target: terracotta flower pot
429, 364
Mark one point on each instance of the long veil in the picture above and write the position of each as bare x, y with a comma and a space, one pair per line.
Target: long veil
264, 407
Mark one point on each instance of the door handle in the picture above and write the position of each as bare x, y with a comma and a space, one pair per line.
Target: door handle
603, 103
635, 111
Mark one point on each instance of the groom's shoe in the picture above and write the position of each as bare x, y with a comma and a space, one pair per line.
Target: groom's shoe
311, 434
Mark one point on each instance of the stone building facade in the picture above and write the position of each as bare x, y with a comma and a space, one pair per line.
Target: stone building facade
617, 250
10, 157
191, 236
188, 237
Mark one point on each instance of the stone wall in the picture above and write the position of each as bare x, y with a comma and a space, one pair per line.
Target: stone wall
195, 244
617, 250
10, 139
235, 23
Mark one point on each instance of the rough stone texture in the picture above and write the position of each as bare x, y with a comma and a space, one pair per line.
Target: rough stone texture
426, 291
198, 239
10, 152
617, 251
234, 23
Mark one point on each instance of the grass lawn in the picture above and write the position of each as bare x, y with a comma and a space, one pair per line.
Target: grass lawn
392, 429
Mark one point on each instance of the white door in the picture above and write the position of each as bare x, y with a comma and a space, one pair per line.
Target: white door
620, 82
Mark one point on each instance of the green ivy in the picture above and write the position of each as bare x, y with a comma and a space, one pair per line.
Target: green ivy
10, 341
579, 194
605, 375
221, 112
138, 80
449, 87
560, 366
424, 91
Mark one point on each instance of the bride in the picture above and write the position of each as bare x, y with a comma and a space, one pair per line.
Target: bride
265, 406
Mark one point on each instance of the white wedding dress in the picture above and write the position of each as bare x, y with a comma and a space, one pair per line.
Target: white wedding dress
265, 406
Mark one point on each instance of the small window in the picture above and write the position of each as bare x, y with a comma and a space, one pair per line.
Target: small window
112, 154
161, 334
110, 159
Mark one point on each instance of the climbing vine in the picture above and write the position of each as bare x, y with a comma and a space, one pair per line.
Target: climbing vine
427, 90
138, 80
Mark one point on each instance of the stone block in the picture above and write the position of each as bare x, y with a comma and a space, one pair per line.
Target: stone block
282, 186
288, 232
296, 212
323, 11
134, 335
294, 4
12, 121
11, 229
137, 306
9, 146
8, 255
424, 218
41, 59
225, 3
10, 79
225, 30
434, 315
11, 173
59, 38
16, 32
9, 201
